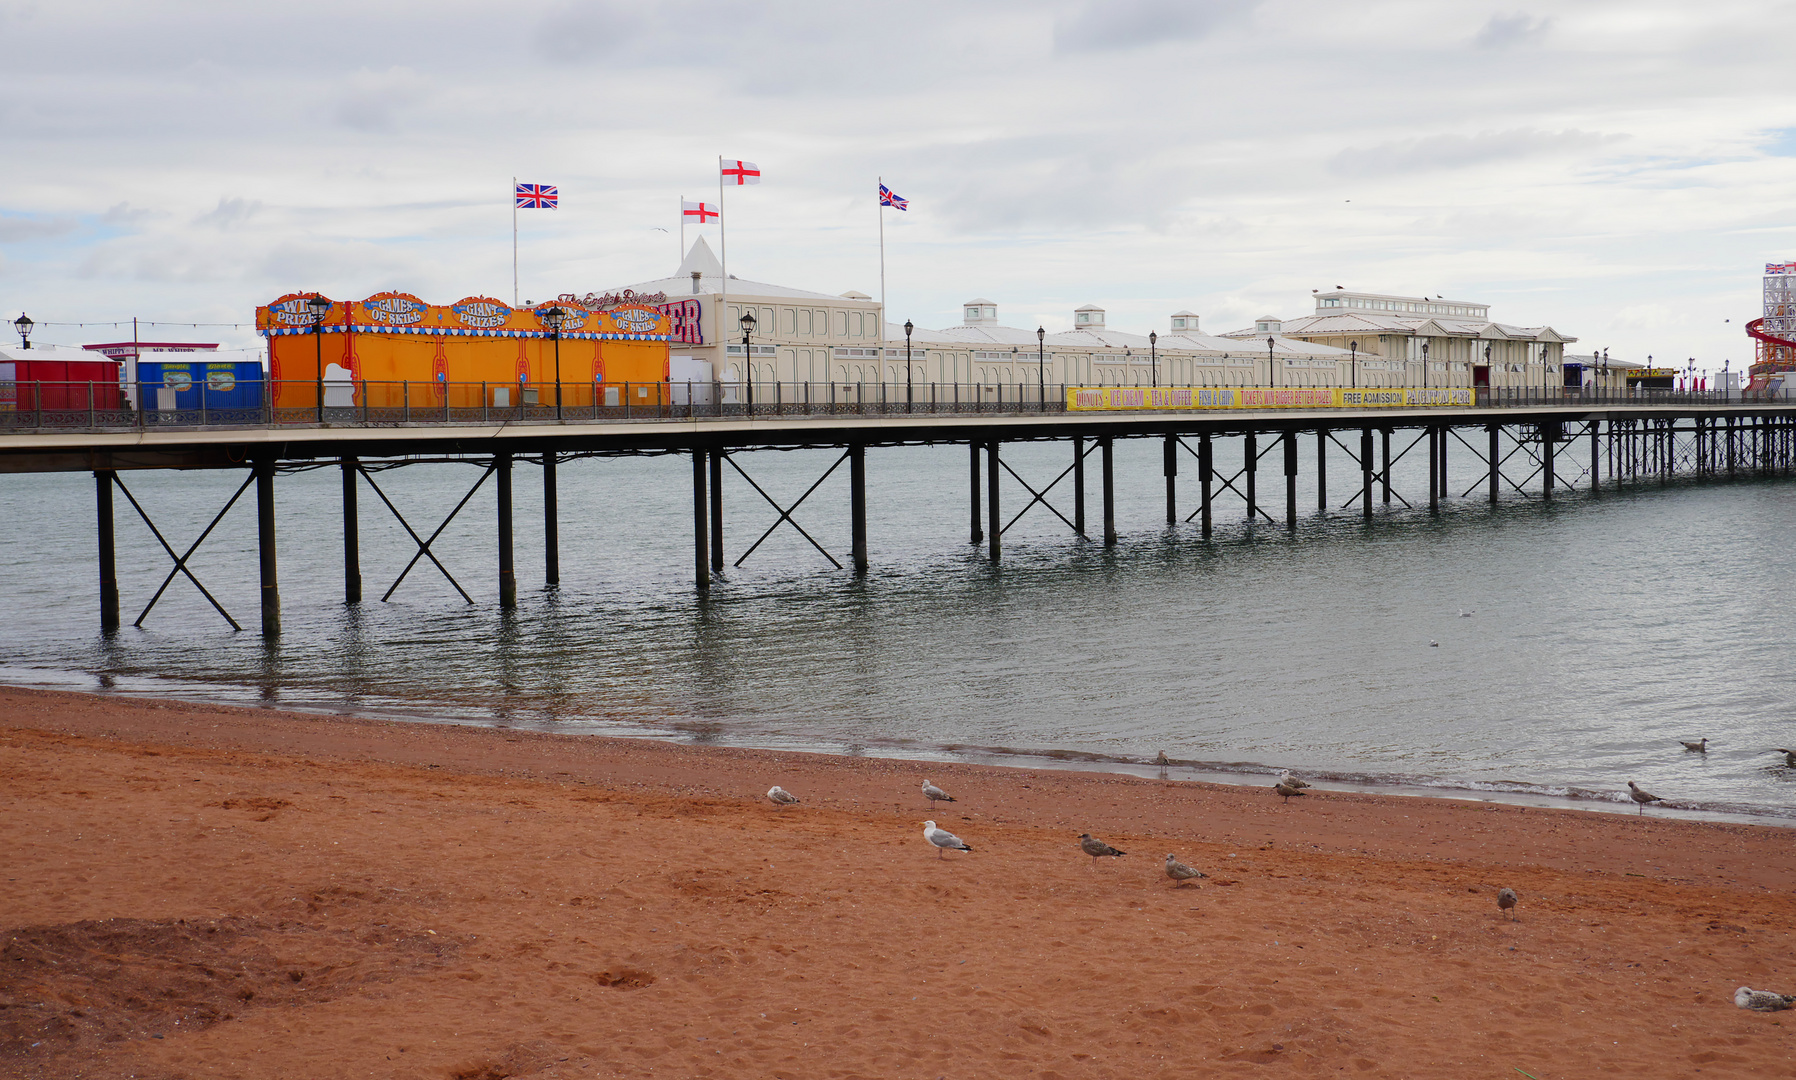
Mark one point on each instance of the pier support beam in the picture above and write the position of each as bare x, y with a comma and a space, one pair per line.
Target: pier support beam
1384, 473
1547, 437
1434, 470
551, 524
1496, 473
1322, 471
352, 540
266, 562
1169, 467
1250, 465
108, 559
857, 499
1365, 471
701, 562
1109, 484
508, 578
1079, 484
978, 530
1444, 431
1290, 438
1596, 454
1206, 474
716, 495
995, 528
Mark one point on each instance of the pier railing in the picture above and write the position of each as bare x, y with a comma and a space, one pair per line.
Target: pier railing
103, 407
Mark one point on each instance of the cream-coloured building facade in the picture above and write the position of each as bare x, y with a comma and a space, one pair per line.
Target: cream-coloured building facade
1428, 341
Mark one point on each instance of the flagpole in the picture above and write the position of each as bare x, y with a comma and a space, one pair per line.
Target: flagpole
514, 241
722, 302
880, 200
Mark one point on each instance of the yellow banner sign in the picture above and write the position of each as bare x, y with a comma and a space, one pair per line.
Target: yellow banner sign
1182, 398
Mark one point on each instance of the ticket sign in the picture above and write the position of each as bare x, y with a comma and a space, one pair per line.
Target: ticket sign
1178, 399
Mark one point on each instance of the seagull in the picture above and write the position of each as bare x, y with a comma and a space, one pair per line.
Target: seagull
1433, 644
1286, 790
1789, 757
781, 797
1506, 902
943, 840
935, 794
1763, 1000
1162, 760
1464, 614
1289, 780
1097, 849
1697, 747
1641, 797
1179, 872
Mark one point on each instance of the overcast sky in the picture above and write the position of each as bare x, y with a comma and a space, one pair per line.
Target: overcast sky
1618, 170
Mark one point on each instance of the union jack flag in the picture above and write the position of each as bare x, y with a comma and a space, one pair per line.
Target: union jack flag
537, 197
887, 198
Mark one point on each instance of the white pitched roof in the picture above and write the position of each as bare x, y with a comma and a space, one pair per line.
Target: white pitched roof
700, 258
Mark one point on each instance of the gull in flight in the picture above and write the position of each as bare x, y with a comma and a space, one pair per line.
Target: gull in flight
1179, 872
1464, 614
781, 797
1641, 797
943, 840
1096, 848
1506, 902
935, 794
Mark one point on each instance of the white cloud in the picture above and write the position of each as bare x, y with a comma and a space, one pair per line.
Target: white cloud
1409, 156
1102, 25
1512, 31
17, 230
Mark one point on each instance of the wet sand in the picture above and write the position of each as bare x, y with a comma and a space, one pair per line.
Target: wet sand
203, 891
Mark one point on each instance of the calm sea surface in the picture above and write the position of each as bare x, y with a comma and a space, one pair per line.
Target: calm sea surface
1600, 631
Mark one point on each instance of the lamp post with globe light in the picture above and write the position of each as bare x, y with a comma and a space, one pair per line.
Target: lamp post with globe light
553, 317
748, 368
318, 307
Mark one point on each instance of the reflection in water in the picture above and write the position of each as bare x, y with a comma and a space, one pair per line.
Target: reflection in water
1604, 629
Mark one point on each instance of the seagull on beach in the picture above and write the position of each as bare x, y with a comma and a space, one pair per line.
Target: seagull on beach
1763, 1000
1506, 902
1290, 780
1286, 790
1789, 757
1179, 872
781, 797
935, 794
1697, 747
943, 840
1641, 797
1096, 848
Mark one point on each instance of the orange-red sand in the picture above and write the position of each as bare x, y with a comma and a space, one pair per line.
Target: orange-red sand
196, 891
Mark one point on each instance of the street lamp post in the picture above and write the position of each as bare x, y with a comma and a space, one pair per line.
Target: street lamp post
1424, 365
319, 308
1487, 360
1271, 372
553, 318
1153, 355
1041, 362
1353, 362
1544, 384
748, 368
908, 327
23, 325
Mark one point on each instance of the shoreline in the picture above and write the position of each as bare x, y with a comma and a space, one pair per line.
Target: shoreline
216, 891
1238, 774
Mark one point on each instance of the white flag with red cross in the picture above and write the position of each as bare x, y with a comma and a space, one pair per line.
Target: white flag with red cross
702, 212
741, 172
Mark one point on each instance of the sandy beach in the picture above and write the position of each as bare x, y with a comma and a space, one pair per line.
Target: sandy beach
202, 891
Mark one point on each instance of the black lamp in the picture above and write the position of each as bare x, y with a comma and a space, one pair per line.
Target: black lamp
1153, 354
319, 307
23, 325
1041, 361
748, 329
908, 327
553, 317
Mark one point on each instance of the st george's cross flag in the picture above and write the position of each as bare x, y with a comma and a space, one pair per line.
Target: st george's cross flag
536, 197
888, 198
701, 212
741, 172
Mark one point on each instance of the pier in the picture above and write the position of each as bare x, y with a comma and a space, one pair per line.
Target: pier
1515, 446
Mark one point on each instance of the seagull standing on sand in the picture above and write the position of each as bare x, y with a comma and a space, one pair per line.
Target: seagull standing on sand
1641, 797
1290, 780
1179, 872
1286, 790
1697, 747
1506, 902
1763, 1000
781, 797
935, 794
943, 840
1096, 848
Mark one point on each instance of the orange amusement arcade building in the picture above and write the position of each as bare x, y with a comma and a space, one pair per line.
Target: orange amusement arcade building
394, 349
